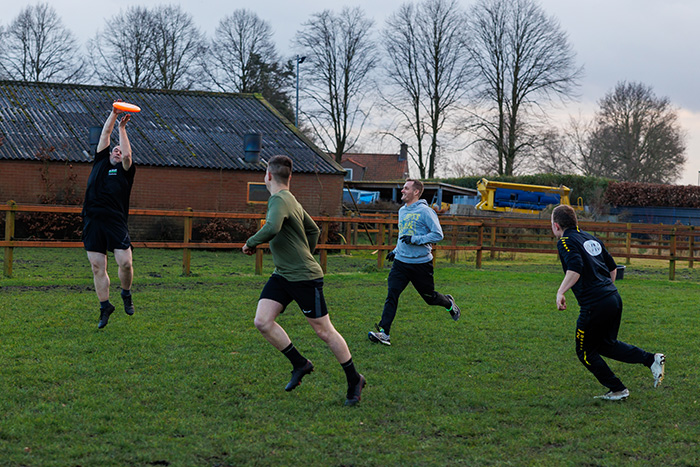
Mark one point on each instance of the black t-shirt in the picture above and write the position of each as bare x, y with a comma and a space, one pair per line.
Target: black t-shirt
583, 253
108, 189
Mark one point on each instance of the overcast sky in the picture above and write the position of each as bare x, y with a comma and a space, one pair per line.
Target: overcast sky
649, 41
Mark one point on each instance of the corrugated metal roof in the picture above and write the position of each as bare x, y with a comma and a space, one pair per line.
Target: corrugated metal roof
174, 128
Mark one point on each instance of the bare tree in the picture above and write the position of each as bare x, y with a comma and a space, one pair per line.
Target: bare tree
636, 137
340, 51
122, 54
178, 46
238, 40
577, 148
427, 71
549, 153
521, 59
244, 59
36, 46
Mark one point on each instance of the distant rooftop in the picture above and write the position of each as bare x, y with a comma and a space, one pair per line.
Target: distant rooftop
376, 166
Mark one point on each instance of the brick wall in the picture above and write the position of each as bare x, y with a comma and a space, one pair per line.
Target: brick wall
171, 188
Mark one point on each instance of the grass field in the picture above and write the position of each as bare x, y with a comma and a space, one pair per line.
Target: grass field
189, 381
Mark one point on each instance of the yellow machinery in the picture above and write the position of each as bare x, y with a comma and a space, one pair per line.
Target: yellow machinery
517, 197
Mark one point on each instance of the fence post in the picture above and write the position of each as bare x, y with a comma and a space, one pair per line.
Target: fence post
391, 229
493, 242
691, 246
380, 242
672, 254
453, 253
628, 244
323, 256
9, 235
479, 244
348, 234
355, 227
259, 253
186, 252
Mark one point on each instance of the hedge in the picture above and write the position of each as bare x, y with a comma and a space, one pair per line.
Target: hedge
652, 194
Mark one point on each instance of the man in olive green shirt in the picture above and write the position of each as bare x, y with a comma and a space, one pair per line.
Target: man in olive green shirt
292, 236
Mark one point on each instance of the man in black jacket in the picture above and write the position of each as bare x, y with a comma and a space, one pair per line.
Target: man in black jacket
590, 272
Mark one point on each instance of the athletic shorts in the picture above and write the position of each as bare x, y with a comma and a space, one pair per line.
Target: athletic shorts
101, 237
307, 294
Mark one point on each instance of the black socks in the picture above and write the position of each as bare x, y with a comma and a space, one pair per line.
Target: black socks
294, 356
351, 373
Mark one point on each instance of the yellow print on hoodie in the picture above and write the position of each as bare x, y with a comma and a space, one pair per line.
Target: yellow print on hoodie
408, 224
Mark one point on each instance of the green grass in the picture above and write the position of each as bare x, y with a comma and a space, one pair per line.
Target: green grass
189, 381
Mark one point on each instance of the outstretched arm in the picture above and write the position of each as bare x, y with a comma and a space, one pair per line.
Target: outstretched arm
124, 144
273, 224
107, 130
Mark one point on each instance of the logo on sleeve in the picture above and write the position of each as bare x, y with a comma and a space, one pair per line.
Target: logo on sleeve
592, 247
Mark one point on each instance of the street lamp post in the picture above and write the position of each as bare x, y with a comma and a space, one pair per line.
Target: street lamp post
296, 115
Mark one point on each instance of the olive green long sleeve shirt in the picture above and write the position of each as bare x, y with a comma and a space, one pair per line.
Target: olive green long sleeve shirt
292, 235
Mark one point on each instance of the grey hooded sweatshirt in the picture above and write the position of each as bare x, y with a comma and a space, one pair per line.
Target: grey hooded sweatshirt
421, 222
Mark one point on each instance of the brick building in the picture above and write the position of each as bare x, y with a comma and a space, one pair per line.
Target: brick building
374, 167
188, 147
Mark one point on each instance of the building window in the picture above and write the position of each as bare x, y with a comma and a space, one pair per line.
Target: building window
257, 193
348, 174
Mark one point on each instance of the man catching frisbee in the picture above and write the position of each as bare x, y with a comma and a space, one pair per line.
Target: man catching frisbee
105, 214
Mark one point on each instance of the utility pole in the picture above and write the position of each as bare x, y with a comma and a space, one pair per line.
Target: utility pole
296, 115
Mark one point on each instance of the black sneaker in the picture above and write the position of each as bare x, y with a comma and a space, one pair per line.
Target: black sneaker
298, 374
128, 305
454, 311
353, 397
104, 316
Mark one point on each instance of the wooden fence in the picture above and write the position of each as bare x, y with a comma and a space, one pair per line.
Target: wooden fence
378, 233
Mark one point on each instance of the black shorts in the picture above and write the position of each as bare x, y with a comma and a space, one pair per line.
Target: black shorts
307, 294
101, 236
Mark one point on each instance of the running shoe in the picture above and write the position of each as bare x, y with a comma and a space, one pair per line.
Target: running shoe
298, 374
657, 368
353, 397
379, 336
455, 310
128, 305
615, 396
104, 316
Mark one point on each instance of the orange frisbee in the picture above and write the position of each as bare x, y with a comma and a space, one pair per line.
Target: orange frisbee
126, 107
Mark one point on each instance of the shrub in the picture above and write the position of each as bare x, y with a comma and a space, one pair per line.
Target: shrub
651, 194
48, 226
52, 226
223, 230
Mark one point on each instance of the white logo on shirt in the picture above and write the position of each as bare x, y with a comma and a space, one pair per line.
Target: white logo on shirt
592, 247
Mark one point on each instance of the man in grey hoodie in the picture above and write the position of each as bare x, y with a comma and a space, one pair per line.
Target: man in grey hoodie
419, 227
